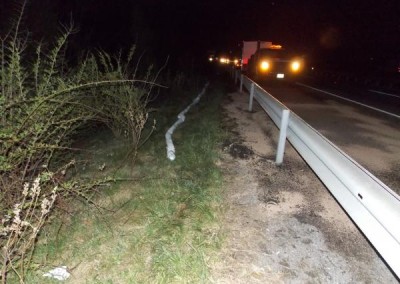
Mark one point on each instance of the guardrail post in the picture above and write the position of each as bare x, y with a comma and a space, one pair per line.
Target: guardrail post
282, 136
251, 97
241, 83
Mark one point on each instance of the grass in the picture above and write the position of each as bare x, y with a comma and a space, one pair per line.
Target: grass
159, 227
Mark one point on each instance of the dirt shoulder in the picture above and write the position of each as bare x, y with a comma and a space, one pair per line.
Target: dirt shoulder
281, 224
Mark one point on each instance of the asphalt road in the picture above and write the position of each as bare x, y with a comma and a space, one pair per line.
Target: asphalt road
365, 124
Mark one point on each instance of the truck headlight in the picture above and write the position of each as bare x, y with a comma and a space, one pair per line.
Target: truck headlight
264, 65
295, 66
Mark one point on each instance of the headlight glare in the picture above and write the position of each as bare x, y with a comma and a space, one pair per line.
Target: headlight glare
264, 65
295, 66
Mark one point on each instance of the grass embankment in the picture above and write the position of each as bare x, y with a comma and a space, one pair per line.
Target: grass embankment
158, 226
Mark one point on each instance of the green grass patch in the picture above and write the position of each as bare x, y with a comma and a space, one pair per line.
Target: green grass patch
158, 226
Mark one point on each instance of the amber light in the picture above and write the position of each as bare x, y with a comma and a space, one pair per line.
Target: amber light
276, 46
295, 66
264, 65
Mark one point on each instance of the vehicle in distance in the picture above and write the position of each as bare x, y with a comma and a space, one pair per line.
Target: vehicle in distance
233, 61
276, 62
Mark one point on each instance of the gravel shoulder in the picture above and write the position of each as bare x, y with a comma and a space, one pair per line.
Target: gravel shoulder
281, 225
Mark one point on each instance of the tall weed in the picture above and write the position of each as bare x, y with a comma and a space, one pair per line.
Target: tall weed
43, 104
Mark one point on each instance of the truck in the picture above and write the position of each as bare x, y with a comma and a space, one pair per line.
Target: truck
263, 59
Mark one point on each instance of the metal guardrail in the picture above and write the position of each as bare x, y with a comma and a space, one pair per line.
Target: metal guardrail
372, 205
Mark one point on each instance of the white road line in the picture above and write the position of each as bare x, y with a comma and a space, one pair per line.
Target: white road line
383, 93
355, 102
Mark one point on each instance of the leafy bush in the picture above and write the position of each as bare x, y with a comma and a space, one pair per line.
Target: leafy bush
43, 104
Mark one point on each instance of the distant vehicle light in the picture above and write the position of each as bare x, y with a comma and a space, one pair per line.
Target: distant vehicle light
210, 59
275, 46
222, 60
295, 66
264, 65
236, 61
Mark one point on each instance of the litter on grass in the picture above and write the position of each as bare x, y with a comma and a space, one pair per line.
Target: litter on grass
60, 273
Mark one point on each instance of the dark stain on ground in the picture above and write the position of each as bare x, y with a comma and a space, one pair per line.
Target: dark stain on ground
237, 150
229, 123
267, 198
286, 178
233, 145
347, 243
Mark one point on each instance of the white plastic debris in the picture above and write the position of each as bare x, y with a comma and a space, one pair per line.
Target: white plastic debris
181, 119
60, 273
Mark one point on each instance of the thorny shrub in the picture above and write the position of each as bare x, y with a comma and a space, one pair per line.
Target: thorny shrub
43, 103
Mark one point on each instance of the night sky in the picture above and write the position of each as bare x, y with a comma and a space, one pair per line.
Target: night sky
336, 31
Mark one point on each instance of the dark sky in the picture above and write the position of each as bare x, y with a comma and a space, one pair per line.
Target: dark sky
355, 28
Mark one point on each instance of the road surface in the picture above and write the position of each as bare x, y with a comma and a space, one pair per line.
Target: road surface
365, 124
